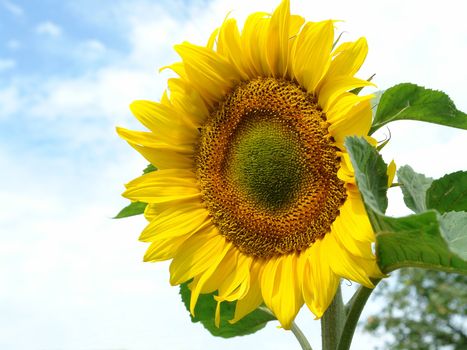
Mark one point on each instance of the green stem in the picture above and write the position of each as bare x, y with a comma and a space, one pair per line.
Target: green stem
300, 337
332, 322
354, 310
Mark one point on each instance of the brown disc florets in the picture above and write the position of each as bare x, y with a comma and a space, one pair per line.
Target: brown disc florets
267, 168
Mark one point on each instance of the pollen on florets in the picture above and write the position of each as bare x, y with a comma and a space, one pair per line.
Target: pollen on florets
267, 168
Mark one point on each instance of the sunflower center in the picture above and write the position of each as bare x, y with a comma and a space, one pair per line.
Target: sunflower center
264, 162
267, 168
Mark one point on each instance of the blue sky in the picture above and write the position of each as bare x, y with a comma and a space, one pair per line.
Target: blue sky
72, 278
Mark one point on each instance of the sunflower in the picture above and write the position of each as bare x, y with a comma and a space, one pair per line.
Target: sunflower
255, 195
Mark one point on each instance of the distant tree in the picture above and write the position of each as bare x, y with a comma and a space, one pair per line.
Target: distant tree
421, 310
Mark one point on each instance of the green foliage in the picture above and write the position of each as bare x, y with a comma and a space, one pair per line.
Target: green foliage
448, 193
149, 169
423, 310
414, 187
415, 240
134, 208
205, 310
409, 101
370, 172
453, 226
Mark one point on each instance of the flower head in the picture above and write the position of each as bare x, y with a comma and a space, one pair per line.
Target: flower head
255, 195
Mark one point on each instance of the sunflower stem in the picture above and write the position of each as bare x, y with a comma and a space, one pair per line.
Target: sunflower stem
300, 337
354, 310
332, 322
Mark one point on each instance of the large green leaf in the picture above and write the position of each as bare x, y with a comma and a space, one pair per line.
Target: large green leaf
453, 227
448, 193
414, 187
416, 240
370, 172
410, 101
205, 311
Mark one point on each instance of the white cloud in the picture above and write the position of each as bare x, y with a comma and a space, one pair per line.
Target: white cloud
13, 8
13, 44
6, 64
9, 102
49, 28
91, 49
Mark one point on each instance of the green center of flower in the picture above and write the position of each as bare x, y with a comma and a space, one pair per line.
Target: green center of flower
265, 163
267, 169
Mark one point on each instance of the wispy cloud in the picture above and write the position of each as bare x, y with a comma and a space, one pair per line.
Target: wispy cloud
13, 44
9, 102
6, 64
13, 8
49, 28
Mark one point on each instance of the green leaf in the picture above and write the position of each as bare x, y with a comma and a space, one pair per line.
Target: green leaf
149, 169
135, 208
370, 173
410, 101
453, 228
448, 193
416, 241
414, 187
205, 311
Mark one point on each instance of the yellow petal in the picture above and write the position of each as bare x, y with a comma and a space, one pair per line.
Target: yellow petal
343, 105
175, 221
177, 68
187, 102
357, 122
230, 46
332, 88
226, 267
211, 74
345, 264
158, 153
166, 247
349, 59
165, 122
196, 255
150, 212
346, 172
253, 299
162, 186
236, 284
198, 283
279, 287
311, 53
253, 39
391, 172
295, 23
161, 250
354, 216
212, 39
322, 282
278, 40
347, 234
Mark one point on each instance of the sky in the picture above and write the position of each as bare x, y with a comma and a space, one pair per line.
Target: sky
71, 277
